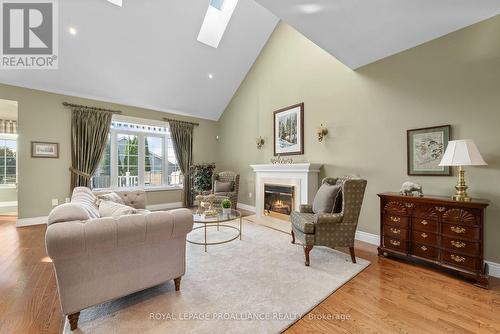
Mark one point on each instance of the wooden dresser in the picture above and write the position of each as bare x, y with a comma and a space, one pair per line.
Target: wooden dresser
437, 230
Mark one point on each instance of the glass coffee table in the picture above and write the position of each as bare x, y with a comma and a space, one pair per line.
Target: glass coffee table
217, 222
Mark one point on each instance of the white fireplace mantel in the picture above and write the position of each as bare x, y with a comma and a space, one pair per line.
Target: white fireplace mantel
302, 176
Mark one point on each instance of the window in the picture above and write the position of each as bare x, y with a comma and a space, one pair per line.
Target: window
8, 161
138, 154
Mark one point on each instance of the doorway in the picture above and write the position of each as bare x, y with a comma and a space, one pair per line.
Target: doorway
8, 160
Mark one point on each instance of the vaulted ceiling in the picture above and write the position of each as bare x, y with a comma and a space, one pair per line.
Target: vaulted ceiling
146, 53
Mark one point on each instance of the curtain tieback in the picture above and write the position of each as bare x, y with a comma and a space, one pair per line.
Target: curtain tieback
80, 173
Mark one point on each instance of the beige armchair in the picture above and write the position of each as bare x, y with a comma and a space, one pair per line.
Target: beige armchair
330, 229
97, 259
232, 193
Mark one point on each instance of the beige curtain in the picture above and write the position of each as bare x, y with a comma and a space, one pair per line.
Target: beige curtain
89, 135
182, 139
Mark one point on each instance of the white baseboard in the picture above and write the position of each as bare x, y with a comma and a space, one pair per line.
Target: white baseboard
374, 239
23, 222
368, 237
164, 206
245, 207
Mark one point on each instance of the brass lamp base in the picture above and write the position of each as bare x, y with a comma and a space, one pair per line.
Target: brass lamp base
461, 187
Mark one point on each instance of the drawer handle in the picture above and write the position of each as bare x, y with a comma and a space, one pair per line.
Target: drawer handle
423, 248
457, 258
396, 219
458, 244
440, 208
424, 235
395, 243
395, 230
409, 205
458, 230
424, 222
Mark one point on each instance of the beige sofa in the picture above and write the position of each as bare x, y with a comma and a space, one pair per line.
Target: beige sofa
98, 259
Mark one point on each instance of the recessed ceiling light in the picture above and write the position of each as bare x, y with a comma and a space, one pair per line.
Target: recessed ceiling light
310, 8
72, 31
210, 76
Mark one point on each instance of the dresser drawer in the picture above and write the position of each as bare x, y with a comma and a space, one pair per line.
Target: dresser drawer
395, 232
423, 237
460, 260
461, 231
395, 220
467, 216
461, 246
395, 244
425, 251
423, 224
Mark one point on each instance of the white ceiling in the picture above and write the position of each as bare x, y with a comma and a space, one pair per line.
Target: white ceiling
359, 32
146, 54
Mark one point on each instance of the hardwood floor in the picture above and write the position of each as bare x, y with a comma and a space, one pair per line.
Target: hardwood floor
390, 296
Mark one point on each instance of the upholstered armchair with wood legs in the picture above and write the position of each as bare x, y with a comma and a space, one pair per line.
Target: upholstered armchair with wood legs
233, 187
330, 229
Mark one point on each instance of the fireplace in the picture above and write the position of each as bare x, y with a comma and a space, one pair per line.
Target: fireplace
278, 200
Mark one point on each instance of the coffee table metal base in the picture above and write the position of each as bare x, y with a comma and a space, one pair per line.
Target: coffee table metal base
205, 226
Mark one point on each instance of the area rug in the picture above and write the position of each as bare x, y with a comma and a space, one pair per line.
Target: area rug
256, 285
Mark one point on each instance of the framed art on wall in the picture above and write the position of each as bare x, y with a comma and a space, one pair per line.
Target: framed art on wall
426, 147
44, 150
289, 130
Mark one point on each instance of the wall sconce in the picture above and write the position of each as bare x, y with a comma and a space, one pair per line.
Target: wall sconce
322, 132
260, 142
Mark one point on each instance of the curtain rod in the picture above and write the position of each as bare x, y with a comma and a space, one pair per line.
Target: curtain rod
176, 120
66, 104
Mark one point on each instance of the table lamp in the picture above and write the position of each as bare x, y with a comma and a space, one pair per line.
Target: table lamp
462, 153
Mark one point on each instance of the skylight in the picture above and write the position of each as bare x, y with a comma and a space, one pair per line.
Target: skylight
116, 2
214, 25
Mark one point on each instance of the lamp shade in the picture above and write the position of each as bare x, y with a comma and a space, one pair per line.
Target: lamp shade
462, 153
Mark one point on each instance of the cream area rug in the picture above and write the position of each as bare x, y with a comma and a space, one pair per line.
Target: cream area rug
256, 285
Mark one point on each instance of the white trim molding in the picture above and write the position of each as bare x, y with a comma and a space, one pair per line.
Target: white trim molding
164, 206
245, 207
374, 239
32, 221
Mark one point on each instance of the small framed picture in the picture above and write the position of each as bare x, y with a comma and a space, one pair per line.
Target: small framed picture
426, 147
44, 150
289, 130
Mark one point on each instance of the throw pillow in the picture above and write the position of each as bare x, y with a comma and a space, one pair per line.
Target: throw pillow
113, 197
112, 209
223, 187
86, 198
67, 212
325, 198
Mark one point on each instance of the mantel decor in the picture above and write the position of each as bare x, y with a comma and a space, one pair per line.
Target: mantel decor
289, 130
426, 147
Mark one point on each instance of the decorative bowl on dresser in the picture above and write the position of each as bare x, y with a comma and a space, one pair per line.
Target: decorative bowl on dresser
435, 229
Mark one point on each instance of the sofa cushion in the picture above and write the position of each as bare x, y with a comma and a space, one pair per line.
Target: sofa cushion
112, 196
303, 221
112, 209
67, 212
86, 199
325, 198
221, 186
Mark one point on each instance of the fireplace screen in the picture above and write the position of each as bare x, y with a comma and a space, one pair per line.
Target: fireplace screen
278, 200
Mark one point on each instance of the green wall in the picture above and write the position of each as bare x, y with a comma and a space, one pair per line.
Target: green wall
42, 117
452, 80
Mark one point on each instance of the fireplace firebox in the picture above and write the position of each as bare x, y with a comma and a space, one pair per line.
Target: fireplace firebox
278, 201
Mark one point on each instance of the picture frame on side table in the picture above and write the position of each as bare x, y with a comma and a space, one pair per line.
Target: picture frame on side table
288, 126
425, 149
44, 150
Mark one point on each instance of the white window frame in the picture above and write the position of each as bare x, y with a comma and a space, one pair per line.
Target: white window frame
13, 137
113, 133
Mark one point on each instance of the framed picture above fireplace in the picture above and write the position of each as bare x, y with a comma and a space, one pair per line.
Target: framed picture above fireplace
289, 130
